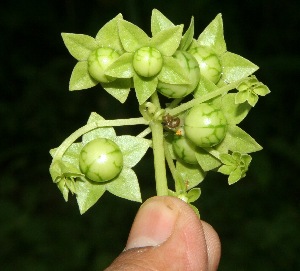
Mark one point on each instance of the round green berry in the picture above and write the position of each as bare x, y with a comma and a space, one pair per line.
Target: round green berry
205, 125
99, 60
190, 64
147, 61
101, 160
184, 149
209, 63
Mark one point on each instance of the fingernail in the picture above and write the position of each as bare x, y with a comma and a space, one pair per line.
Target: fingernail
153, 224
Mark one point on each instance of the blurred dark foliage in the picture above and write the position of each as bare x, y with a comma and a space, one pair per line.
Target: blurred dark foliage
257, 219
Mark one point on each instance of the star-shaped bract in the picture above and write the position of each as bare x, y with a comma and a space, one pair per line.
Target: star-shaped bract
82, 47
233, 66
158, 63
235, 165
66, 172
249, 90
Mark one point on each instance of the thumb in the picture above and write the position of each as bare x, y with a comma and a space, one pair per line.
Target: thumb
168, 235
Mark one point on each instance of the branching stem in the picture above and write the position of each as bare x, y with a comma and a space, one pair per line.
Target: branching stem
92, 126
185, 106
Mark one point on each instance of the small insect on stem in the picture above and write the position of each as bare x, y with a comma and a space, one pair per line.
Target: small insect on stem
170, 122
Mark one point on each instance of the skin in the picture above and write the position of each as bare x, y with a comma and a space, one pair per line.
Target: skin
167, 235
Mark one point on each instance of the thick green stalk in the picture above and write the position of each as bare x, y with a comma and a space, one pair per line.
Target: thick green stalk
158, 152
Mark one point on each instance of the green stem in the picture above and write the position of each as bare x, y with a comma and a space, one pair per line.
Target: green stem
176, 176
144, 133
185, 106
158, 152
92, 126
175, 103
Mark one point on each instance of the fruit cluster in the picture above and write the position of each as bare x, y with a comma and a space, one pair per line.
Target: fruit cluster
209, 91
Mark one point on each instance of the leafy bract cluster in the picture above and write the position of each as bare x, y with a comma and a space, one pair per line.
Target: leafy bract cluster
173, 63
66, 173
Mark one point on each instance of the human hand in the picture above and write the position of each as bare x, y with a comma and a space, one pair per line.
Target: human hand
167, 235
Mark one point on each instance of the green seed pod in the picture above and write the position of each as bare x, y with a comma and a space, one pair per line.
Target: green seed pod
101, 160
209, 63
147, 61
205, 125
188, 62
184, 149
98, 61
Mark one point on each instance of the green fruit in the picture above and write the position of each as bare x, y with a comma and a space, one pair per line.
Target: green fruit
147, 61
98, 61
184, 149
209, 63
101, 160
189, 63
205, 125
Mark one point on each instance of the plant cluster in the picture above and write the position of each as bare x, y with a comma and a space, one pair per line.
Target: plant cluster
208, 90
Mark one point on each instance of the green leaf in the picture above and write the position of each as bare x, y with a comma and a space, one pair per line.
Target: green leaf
159, 22
173, 73
72, 154
252, 99
235, 176
119, 88
227, 159
246, 159
94, 117
88, 193
56, 170
194, 44
122, 67
59, 170
194, 194
133, 148
70, 183
262, 90
168, 40
102, 132
188, 36
235, 68
204, 87
108, 35
63, 188
235, 165
241, 97
125, 186
80, 46
144, 87
234, 113
64, 174
237, 140
213, 36
206, 161
52, 152
226, 169
191, 174
132, 37
80, 77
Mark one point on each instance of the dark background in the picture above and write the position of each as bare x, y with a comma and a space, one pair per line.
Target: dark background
257, 219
